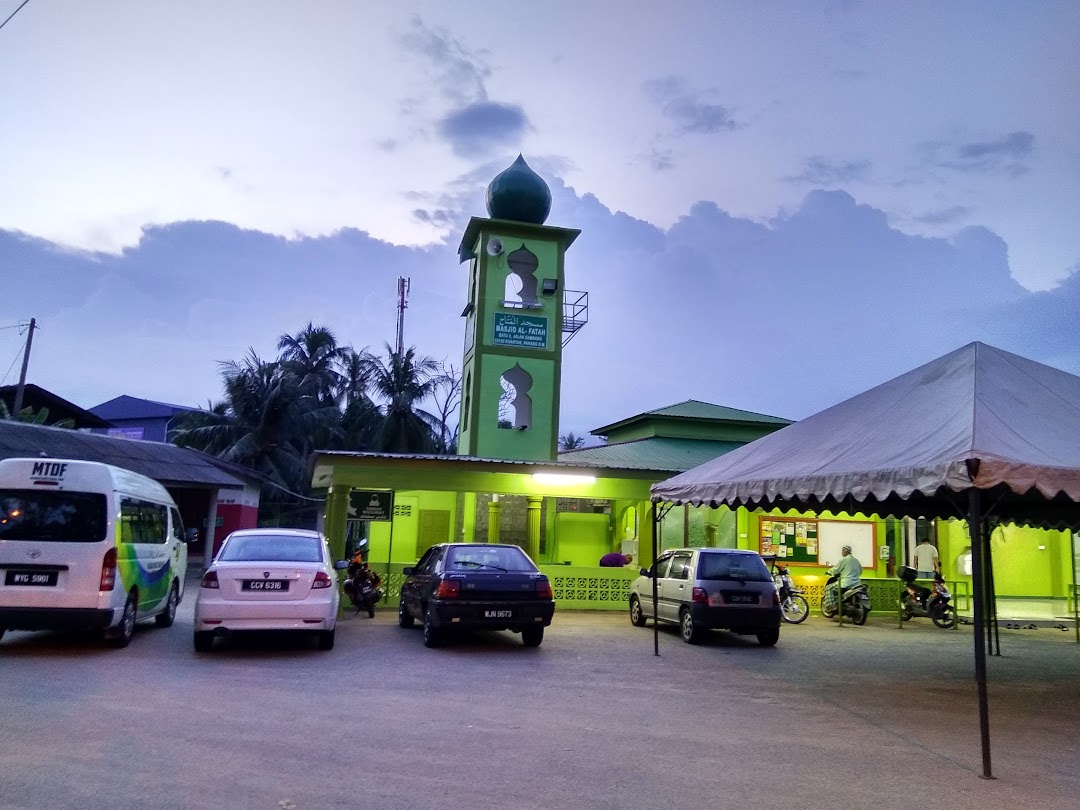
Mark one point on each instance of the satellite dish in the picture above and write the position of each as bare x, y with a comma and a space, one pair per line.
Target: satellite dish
494, 247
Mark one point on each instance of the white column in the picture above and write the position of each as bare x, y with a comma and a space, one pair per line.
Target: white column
211, 530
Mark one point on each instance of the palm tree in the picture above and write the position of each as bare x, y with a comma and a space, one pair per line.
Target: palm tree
354, 369
313, 355
403, 382
569, 441
265, 422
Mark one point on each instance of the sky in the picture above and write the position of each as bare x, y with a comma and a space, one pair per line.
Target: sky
782, 204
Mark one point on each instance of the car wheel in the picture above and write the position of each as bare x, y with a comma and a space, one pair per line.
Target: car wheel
691, 634
121, 637
795, 609
532, 636
768, 638
168, 614
432, 637
326, 639
204, 642
944, 617
404, 618
637, 615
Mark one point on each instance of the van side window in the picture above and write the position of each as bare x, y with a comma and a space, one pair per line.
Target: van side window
661, 568
177, 525
680, 567
142, 522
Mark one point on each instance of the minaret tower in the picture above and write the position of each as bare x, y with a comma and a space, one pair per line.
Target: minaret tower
514, 322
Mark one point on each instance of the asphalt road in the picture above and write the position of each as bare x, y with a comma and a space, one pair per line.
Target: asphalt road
831, 718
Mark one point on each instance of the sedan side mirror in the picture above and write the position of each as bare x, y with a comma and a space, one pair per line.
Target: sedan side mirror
645, 572
341, 565
407, 570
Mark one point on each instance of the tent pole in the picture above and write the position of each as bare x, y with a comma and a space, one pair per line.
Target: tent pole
1076, 591
995, 645
655, 619
978, 583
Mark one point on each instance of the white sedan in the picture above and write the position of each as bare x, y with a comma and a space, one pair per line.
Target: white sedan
268, 579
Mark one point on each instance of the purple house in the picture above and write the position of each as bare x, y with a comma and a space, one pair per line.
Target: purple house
135, 418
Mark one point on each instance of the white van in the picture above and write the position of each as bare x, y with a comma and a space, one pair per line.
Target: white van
87, 545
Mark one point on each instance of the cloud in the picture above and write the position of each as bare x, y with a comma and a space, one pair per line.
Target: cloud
820, 171
658, 158
691, 111
945, 216
475, 130
460, 74
1005, 155
787, 316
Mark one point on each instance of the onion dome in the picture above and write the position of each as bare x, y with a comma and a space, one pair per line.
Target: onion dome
519, 194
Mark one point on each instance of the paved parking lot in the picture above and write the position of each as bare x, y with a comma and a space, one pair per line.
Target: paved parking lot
831, 718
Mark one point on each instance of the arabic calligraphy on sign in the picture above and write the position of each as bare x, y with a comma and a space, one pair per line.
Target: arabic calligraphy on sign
529, 331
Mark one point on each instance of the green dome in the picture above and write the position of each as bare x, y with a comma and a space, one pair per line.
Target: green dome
519, 194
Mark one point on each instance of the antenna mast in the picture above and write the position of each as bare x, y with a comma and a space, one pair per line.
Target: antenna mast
402, 305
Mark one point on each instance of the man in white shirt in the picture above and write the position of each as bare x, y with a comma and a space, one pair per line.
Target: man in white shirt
849, 571
926, 559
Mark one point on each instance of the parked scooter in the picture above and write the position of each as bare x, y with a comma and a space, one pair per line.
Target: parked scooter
793, 605
855, 601
917, 601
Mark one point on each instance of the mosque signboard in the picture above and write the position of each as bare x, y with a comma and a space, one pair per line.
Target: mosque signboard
371, 505
526, 331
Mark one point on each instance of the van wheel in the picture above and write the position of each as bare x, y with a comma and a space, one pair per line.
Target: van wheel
204, 642
168, 613
637, 615
121, 637
691, 634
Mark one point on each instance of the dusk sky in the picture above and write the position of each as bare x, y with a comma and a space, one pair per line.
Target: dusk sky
782, 203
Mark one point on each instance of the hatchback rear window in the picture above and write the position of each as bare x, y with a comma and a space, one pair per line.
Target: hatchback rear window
742, 567
272, 548
55, 517
498, 558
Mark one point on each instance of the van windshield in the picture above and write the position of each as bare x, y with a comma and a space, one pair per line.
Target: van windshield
56, 517
741, 567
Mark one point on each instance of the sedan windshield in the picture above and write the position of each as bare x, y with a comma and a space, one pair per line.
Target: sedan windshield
741, 567
492, 558
272, 548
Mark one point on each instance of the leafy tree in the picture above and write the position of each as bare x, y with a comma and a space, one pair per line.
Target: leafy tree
266, 422
568, 441
28, 415
447, 398
314, 357
403, 382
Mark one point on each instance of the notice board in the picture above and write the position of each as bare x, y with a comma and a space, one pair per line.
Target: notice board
798, 541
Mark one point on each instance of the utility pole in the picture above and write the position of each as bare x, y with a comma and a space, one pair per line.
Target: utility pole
25, 362
402, 305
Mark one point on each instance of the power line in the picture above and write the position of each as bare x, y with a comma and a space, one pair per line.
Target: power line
16, 11
13, 362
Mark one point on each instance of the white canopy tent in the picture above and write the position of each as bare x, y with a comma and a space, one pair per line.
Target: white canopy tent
979, 434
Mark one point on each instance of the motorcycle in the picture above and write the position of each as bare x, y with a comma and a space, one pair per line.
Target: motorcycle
855, 601
362, 592
793, 605
919, 602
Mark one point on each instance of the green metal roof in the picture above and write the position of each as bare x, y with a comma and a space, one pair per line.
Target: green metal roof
661, 454
695, 409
